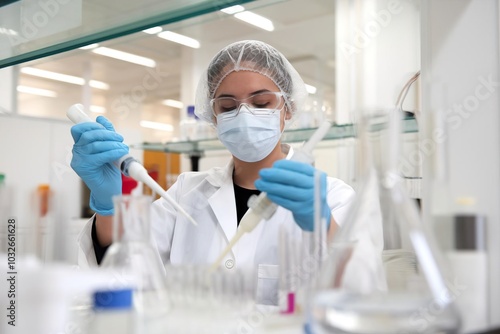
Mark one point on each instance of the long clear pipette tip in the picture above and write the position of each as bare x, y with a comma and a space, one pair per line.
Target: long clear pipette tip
160, 191
178, 207
186, 215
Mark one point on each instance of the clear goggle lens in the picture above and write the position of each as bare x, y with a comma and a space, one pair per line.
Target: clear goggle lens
263, 102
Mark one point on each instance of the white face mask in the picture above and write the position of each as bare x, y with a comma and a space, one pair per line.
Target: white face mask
249, 137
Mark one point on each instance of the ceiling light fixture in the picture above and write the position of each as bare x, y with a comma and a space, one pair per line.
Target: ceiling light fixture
233, 9
256, 20
97, 109
63, 77
152, 31
36, 91
90, 46
173, 103
125, 56
7, 31
181, 39
311, 89
157, 126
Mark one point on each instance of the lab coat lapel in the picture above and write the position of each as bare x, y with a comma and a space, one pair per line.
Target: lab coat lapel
222, 201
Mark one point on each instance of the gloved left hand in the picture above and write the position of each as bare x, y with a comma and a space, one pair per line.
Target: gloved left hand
290, 184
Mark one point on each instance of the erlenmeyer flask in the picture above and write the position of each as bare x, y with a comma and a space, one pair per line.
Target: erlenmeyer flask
134, 259
382, 275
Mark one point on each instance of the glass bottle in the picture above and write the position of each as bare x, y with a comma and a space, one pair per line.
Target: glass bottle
383, 274
136, 261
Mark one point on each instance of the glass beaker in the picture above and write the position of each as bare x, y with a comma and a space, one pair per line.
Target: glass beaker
134, 258
383, 273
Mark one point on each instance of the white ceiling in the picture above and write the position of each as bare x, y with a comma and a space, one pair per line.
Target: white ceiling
304, 33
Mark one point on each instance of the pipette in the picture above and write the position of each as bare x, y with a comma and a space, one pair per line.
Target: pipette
128, 165
260, 207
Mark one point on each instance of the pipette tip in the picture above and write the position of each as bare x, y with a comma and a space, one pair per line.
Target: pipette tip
178, 207
191, 219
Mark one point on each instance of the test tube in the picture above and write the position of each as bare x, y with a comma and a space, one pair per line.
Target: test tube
287, 264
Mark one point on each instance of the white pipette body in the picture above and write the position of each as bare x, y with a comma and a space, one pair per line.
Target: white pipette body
260, 207
128, 165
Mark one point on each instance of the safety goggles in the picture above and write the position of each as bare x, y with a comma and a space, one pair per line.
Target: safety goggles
264, 103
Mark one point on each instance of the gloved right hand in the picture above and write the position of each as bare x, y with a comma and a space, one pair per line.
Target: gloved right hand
290, 184
96, 146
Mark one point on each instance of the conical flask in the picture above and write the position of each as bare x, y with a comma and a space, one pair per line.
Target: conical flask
383, 274
133, 257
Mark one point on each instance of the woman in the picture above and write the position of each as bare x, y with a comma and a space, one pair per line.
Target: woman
249, 92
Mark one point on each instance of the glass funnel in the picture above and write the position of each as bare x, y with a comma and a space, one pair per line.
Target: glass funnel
134, 258
383, 273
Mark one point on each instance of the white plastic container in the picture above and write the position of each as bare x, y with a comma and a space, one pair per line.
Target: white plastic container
113, 313
469, 261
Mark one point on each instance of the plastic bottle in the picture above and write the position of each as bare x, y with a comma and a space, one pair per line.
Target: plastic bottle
113, 313
188, 126
469, 262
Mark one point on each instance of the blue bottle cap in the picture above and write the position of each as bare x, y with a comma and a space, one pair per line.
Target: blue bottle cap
113, 299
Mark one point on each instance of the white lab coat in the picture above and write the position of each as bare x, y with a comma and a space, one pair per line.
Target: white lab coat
209, 198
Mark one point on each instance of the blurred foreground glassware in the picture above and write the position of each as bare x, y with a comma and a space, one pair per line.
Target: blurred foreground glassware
205, 301
383, 273
134, 259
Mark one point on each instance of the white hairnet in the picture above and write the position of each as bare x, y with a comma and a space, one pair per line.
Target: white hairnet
252, 56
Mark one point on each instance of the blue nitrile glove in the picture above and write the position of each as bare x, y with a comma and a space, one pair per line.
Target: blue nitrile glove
96, 146
290, 184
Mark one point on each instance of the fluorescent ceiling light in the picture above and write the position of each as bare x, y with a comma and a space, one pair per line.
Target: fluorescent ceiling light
154, 30
125, 56
36, 91
6, 31
181, 39
157, 126
63, 77
173, 103
98, 84
256, 20
97, 109
90, 46
233, 9
311, 89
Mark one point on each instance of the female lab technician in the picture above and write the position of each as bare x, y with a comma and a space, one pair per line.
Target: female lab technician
249, 92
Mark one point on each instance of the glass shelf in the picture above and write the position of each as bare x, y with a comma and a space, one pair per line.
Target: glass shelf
197, 147
35, 29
